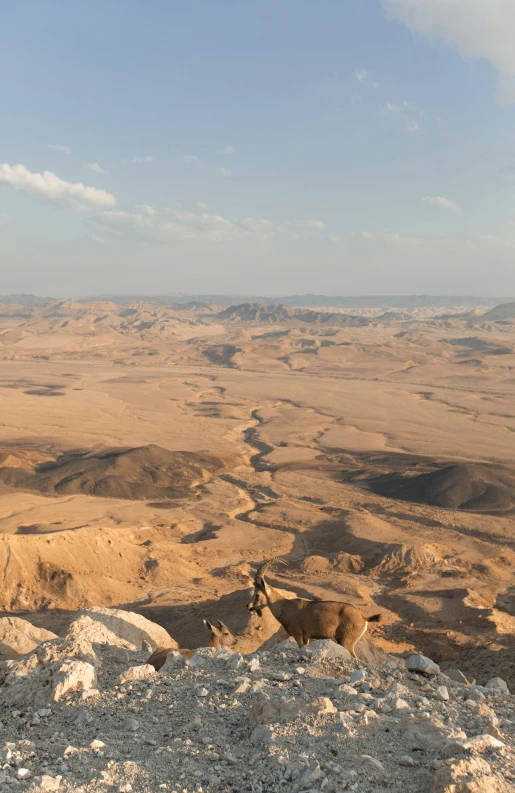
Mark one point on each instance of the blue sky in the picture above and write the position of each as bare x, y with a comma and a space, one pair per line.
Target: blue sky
283, 147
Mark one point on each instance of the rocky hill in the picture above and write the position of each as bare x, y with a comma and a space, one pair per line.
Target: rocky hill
85, 712
145, 472
478, 487
254, 312
501, 313
25, 300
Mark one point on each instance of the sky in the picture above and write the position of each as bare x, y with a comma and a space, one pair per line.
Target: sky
280, 147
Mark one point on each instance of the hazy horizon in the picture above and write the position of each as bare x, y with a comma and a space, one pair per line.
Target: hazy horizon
295, 300
361, 148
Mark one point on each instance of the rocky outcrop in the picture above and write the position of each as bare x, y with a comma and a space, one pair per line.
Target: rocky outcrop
119, 628
473, 775
18, 637
49, 673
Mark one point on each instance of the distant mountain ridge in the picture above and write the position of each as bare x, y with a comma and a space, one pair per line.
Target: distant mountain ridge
311, 301
402, 302
250, 312
25, 300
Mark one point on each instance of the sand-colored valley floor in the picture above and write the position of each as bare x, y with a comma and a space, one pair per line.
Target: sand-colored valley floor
288, 427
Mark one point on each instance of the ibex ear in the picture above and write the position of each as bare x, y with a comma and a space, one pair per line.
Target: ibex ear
221, 624
208, 625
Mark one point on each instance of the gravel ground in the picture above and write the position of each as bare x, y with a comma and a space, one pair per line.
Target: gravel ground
281, 720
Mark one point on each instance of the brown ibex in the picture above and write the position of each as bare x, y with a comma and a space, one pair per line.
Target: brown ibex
220, 636
310, 619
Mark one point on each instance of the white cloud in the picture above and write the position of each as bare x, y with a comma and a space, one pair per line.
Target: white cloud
146, 224
391, 108
363, 76
442, 203
59, 147
202, 206
147, 210
400, 239
225, 171
191, 158
94, 166
390, 237
314, 225
333, 239
48, 188
257, 224
146, 160
414, 128
477, 29
368, 236
167, 225
227, 150
498, 241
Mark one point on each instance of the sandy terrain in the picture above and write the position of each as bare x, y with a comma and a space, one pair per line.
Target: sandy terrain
303, 431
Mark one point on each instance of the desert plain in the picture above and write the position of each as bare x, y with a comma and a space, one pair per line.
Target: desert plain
151, 455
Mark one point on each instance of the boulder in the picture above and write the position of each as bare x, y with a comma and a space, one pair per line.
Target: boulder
358, 677
428, 734
484, 743
18, 637
284, 645
420, 663
49, 672
46, 784
439, 651
399, 704
373, 656
73, 676
398, 690
322, 706
470, 775
497, 684
459, 677
135, 673
442, 693
322, 649
119, 628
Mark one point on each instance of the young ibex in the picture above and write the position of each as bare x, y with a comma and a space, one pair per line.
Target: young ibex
310, 619
220, 636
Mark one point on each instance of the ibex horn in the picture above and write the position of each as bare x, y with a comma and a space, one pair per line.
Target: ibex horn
262, 568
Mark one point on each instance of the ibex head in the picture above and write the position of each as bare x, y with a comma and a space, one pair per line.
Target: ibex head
258, 601
221, 636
